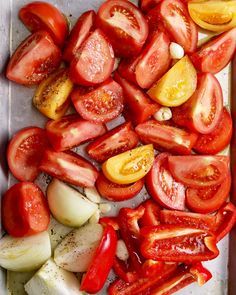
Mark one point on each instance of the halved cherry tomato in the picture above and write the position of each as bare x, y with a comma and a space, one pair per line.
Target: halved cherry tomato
117, 192
125, 26
213, 56
218, 139
213, 15
101, 104
202, 112
199, 171
151, 214
35, 58
140, 107
177, 21
71, 131
79, 34
165, 137
24, 153
94, 60
97, 272
177, 85
146, 5
163, 187
52, 97
24, 210
177, 243
129, 166
116, 141
44, 16
69, 167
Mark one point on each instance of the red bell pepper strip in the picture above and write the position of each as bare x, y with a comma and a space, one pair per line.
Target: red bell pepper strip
178, 243
225, 220
151, 214
102, 263
124, 271
152, 267
112, 221
201, 274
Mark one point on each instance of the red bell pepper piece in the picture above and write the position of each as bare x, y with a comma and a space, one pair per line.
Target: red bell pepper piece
201, 274
112, 221
178, 243
225, 220
152, 267
151, 214
124, 271
102, 263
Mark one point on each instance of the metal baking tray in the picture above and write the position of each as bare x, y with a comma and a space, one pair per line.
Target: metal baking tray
16, 112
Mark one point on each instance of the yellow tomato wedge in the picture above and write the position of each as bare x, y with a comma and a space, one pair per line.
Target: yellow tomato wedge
177, 85
130, 166
52, 95
216, 16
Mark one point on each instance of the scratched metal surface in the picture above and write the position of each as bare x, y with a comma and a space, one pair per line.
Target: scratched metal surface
16, 112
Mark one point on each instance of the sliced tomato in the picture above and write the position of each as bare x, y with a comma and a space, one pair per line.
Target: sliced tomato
24, 153
35, 58
154, 20
116, 141
94, 61
146, 5
218, 139
162, 187
137, 101
125, 26
71, 131
44, 16
199, 171
127, 68
69, 167
202, 112
24, 210
177, 21
117, 192
208, 199
213, 56
79, 34
151, 214
101, 104
165, 137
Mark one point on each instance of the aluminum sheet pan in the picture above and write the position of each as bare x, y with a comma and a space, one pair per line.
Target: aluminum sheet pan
16, 112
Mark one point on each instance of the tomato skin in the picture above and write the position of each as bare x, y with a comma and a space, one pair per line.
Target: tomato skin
218, 139
24, 153
101, 104
35, 58
192, 115
69, 167
199, 171
79, 34
213, 56
209, 199
117, 192
115, 141
71, 131
165, 137
94, 60
127, 37
24, 210
162, 187
146, 5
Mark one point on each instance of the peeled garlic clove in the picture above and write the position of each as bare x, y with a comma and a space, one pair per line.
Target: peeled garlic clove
92, 194
122, 251
163, 114
176, 51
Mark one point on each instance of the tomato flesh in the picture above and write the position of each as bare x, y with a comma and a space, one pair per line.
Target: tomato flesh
146, 5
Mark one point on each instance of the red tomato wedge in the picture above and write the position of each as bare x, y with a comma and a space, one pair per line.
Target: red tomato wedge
71, 131
213, 56
24, 153
154, 21
199, 171
69, 167
97, 273
44, 16
165, 137
114, 142
127, 68
202, 112
24, 210
79, 34
101, 104
94, 60
117, 192
137, 101
151, 214
178, 23
34, 59
162, 187
125, 26
146, 5
208, 199
218, 139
